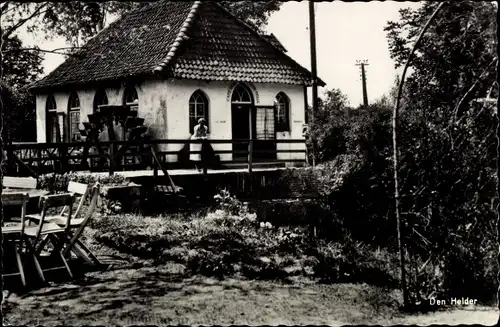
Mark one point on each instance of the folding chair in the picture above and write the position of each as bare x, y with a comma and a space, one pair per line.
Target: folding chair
73, 188
78, 225
50, 231
15, 231
10, 182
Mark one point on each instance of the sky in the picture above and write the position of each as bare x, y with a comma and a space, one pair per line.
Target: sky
345, 32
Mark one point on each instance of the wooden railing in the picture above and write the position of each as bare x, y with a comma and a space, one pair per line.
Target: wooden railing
40, 158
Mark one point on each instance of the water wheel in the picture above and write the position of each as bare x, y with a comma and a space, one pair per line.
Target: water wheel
108, 122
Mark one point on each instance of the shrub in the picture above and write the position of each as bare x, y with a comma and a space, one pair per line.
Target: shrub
221, 244
59, 182
351, 261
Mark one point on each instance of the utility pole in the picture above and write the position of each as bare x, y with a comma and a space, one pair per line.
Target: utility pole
312, 31
363, 63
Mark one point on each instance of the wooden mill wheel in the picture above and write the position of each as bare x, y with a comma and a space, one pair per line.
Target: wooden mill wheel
108, 121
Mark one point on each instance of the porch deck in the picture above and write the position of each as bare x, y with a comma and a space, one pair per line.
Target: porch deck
181, 172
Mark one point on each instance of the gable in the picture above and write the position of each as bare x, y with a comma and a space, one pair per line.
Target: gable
220, 47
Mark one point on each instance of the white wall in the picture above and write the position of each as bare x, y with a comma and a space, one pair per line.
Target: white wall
179, 92
86, 97
219, 96
164, 104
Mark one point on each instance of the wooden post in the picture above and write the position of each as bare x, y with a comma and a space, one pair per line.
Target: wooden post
112, 139
63, 155
250, 142
312, 32
39, 164
203, 157
111, 159
250, 156
155, 175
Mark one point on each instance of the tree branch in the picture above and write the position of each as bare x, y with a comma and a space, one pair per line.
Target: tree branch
460, 103
55, 51
4, 7
21, 22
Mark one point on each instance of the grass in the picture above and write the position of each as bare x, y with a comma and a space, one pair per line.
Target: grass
156, 295
225, 269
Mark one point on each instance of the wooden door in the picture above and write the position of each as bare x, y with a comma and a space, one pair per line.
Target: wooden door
240, 129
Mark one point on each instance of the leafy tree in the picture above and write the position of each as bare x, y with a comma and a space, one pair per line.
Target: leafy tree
18, 115
448, 144
328, 123
19, 68
255, 13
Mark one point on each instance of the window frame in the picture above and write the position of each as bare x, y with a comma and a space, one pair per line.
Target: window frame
236, 91
72, 110
193, 120
282, 100
100, 95
133, 106
51, 120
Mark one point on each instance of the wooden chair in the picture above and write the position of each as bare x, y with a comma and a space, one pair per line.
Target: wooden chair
14, 232
47, 231
10, 182
78, 189
76, 228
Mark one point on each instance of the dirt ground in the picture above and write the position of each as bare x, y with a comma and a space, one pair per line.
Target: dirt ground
125, 294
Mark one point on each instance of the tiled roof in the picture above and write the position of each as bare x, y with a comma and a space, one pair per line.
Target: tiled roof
274, 41
193, 40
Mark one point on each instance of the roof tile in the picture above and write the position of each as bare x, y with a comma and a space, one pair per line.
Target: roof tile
198, 40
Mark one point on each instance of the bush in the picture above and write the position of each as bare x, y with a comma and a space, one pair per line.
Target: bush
221, 244
59, 182
351, 261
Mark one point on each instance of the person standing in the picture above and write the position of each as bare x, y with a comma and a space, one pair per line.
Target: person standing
199, 133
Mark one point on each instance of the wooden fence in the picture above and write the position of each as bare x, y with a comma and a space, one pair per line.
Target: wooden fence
39, 158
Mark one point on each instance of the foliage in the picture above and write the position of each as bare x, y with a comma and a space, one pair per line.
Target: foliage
229, 203
447, 142
340, 129
447, 153
19, 114
19, 68
351, 261
59, 182
254, 13
221, 244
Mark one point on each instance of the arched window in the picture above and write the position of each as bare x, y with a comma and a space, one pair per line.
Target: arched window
198, 108
282, 104
241, 94
74, 117
131, 99
52, 124
100, 98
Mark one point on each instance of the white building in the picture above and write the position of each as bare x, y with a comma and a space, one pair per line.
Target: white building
175, 62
